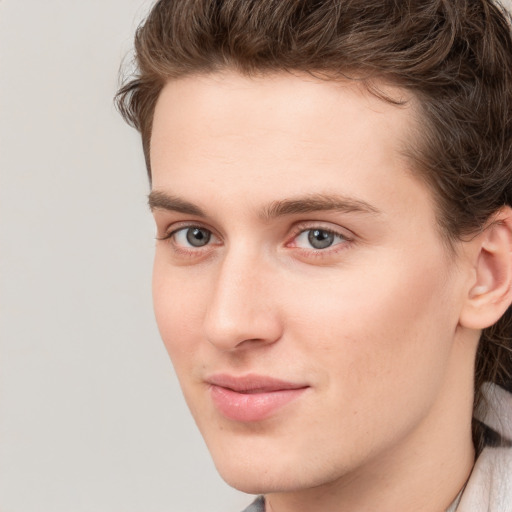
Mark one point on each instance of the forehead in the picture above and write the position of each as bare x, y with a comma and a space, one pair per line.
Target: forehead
283, 106
282, 100
281, 132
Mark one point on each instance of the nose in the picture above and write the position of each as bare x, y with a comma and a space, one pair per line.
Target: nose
242, 310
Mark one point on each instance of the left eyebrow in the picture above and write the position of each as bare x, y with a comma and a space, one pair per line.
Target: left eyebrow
316, 203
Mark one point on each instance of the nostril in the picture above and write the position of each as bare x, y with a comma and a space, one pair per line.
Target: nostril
238, 331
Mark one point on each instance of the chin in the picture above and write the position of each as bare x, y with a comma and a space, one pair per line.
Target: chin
257, 481
247, 472
260, 473
248, 485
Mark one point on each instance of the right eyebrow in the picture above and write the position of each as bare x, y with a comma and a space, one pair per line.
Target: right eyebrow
158, 200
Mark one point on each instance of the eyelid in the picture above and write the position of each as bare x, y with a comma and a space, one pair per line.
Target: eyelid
346, 235
327, 255
173, 228
185, 254
323, 226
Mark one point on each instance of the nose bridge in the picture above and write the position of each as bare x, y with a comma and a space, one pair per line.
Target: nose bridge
241, 305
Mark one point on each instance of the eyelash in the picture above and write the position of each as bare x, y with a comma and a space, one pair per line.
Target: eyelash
325, 252
297, 231
183, 250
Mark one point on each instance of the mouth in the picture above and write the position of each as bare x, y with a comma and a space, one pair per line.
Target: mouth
252, 398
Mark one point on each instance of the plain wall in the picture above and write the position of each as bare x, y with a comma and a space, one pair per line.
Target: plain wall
91, 416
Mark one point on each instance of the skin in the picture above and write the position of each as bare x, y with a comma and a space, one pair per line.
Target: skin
370, 325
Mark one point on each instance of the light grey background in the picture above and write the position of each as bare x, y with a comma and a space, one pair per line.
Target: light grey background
91, 416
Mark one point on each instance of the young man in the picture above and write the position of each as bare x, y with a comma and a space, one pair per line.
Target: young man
332, 189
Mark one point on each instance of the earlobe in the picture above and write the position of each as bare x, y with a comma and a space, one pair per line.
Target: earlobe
491, 292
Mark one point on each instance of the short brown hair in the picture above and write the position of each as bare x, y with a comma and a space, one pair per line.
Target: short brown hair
454, 56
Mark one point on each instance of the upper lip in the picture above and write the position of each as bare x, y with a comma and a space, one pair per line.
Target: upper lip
252, 383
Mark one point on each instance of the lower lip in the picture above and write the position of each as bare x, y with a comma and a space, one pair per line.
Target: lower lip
249, 407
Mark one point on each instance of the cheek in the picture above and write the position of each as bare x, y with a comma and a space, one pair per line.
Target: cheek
378, 348
178, 306
393, 325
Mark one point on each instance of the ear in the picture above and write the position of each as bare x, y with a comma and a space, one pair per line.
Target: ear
490, 293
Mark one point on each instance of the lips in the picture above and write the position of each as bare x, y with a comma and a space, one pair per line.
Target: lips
251, 398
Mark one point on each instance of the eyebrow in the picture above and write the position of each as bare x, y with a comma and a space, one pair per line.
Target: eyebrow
162, 201
318, 202
310, 203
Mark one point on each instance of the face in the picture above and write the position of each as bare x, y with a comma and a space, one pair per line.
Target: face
301, 285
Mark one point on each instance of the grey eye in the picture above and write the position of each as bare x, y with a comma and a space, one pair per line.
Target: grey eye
320, 239
197, 237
